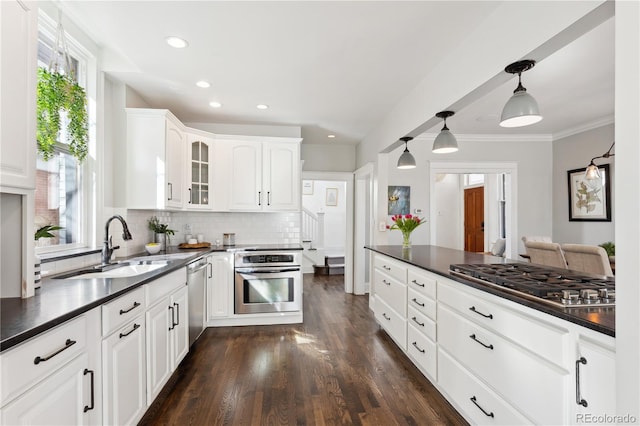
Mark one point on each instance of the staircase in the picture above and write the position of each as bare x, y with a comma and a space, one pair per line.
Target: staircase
333, 265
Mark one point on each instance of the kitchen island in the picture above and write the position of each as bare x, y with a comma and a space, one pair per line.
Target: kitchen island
498, 357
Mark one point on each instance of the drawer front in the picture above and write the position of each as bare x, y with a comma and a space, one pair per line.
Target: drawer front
394, 325
40, 356
393, 268
422, 351
422, 281
422, 303
479, 404
121, 310
422, 323
163, 286
392, 291
543, 338
524, 380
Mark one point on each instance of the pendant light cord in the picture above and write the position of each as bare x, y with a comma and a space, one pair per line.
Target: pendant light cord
606, 154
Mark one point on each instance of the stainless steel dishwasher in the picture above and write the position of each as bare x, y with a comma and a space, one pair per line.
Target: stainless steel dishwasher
196, 278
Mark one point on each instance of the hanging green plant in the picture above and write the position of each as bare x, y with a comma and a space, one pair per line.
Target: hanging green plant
55, 93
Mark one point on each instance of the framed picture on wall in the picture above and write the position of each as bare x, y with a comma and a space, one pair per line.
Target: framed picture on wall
399, 200
589, 199
332, 197
307, 187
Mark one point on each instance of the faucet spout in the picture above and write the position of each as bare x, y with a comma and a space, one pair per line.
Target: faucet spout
107, 246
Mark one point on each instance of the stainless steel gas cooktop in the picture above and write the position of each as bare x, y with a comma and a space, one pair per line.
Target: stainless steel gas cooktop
567, 289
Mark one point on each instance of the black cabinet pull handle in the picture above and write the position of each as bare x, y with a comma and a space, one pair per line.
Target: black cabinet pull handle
579, 399
475, 402
210, 267
135, 327
414, 300
417, 283
386, 317
473, 309
177, 314
259, 198
421, 324
124, 311
86, 407
473, 336
170, 185
415, 344
386, 267
173, 325
268, 198
190, 195
386, 282
37, 360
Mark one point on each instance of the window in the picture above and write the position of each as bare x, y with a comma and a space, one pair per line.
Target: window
60, 187
502, 204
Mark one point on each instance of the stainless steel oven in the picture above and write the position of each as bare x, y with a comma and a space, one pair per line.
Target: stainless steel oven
268, 282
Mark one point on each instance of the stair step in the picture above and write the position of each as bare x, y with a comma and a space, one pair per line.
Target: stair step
333, 260
328, 270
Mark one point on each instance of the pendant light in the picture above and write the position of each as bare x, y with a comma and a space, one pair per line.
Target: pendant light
521, 109
592, 171
406, 160
445, 142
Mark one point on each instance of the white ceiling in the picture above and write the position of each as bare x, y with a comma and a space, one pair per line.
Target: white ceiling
329, 67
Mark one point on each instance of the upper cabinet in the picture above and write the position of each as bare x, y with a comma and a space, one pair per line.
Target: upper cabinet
200, 153
18, 35
156, 147
265, 175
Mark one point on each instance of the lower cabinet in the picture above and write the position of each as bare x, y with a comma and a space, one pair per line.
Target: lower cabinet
595, 369
219, 289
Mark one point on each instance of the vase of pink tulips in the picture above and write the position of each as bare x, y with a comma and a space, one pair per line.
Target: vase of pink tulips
406, 224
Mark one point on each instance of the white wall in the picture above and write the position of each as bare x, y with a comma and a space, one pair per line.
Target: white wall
574, 152
328, 158
449, 202
248, 129
10, 245
334, 216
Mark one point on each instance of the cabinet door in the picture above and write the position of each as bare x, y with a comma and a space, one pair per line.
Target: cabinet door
219, 285
124, 371
18, 34
281, 176
158, 323
246, 192
179, 327
57, 400
175, 162
596, 362
200, 173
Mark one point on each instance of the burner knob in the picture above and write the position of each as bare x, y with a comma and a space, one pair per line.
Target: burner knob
590, 295
609, 295
571, 295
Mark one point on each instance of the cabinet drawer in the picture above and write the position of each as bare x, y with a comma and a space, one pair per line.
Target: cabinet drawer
526, 381
121, 310
393, 268
422, 303
392, 291
422, 351
422, 281
422, 323
479, 404
40, 356
395, 325
535, 334
165, 285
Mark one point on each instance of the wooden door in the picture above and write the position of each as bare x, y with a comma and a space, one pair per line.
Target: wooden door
474, 219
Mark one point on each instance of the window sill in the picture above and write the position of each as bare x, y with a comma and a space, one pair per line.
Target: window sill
67, 254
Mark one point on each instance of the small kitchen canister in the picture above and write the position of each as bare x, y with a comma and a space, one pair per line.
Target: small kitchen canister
229, 239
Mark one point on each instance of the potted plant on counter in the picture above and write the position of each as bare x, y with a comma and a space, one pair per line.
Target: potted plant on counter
161, 232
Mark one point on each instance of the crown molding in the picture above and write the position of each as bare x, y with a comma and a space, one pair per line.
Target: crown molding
610, 119
543, 137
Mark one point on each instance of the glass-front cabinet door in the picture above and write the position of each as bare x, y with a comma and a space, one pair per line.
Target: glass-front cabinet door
201, 150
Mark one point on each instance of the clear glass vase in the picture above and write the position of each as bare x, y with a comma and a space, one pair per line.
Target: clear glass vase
406, 239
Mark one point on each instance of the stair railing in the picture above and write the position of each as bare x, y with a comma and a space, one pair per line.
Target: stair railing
313, 228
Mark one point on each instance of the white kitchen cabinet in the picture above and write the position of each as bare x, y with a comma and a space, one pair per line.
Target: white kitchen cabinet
124, 374
180, 327
158, 323
265, 175
18, 70
156, 150
219, 285
200, 184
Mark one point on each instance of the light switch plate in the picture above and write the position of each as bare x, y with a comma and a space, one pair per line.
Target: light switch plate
382, 227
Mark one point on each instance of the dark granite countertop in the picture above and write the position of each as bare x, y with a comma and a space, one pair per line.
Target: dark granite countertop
59, 300
437, 260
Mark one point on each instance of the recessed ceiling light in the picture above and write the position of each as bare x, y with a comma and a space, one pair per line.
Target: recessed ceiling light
215, 104
203, 84
262, 106
176, 42
331, 136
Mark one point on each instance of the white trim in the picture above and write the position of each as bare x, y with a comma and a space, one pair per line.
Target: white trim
510, 168
361, 285
605, 121
462, 137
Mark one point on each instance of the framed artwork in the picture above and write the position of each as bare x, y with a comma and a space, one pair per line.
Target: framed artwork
589, 200
332, 197
307, 187
399, 200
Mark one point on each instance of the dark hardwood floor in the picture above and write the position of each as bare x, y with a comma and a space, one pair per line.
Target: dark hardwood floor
337, 367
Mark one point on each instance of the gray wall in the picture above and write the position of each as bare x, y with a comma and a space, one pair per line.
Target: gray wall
574, 152
328, 158
10, 245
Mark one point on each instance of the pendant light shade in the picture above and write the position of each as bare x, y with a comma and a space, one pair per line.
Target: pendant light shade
445, 142
521, 109
406, 160
592, 172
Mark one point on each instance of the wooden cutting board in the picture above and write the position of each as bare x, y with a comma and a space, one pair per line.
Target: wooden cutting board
194, 246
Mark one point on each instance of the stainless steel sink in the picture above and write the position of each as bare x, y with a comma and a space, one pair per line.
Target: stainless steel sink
130, 268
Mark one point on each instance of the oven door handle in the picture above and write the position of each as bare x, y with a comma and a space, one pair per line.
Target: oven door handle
265, 271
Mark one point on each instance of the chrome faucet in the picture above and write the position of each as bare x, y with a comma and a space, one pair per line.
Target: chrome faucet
107, 247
